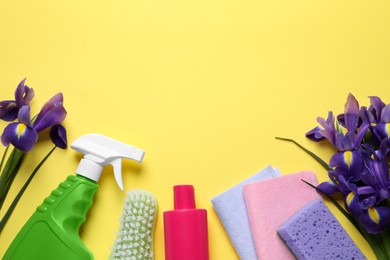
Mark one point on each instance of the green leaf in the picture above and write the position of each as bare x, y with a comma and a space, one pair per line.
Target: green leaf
22, 190
318, 159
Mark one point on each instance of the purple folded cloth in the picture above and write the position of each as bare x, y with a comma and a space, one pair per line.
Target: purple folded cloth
231, 210
314, 233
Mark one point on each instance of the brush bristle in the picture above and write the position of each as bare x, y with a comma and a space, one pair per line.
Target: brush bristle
135, 237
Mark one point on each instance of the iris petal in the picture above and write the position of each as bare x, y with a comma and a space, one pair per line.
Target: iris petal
336, 159
328, 188
376, 107
56, 99
9, 133
315, 134
58, 136
19, 135
385, 116
374, 215
24, 115
8, 110
351, 114
349, 163
360, 134
23, 94
382, 130
352, 204
52, 113
328, 128
375, 219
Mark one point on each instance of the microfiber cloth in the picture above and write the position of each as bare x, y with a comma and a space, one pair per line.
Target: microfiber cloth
230, 207
270, 203
313, 233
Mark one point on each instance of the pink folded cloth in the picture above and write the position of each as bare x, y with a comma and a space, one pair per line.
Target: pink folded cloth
270, 203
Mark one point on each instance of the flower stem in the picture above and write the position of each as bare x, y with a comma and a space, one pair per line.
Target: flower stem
318, 159
19, 195
9, 172
3, 158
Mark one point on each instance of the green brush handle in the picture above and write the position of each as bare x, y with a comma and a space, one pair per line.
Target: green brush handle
52, 232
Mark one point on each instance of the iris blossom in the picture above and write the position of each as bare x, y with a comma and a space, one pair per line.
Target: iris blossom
359, 170
378, 117
9, 109
24, 134
21, 134
348, 160
375, 216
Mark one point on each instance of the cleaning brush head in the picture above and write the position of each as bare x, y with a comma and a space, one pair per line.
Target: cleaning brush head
135, 237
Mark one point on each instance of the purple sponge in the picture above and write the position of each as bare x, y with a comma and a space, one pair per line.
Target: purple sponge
314, 233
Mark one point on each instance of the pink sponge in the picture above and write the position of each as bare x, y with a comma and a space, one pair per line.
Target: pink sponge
270, 203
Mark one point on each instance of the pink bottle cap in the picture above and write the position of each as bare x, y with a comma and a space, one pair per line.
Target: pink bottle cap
184, 197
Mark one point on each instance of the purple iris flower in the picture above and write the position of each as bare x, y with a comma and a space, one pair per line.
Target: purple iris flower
363, 202
374, 215
375, 219
337, 183
9, 109
325, 130
348, 160
24, 134
360, 168
52, 113
376, 108
21, 134
58, 136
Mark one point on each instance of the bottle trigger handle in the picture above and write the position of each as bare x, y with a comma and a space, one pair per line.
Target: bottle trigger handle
117, 165
99, 151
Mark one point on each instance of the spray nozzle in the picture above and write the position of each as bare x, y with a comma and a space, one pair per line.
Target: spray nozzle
99, 151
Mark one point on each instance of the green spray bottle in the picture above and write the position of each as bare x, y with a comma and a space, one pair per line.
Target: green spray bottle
52, 232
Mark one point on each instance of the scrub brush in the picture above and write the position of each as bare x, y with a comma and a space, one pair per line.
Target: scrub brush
135, 237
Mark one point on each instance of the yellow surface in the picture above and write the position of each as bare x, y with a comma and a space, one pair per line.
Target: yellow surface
202, 86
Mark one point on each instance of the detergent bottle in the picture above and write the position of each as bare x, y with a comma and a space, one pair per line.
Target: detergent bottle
52, 232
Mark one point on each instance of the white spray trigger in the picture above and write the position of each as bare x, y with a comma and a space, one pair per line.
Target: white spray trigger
99, 151
117, 165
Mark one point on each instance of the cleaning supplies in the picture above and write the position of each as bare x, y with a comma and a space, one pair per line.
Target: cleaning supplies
314, 233
52, 232
135, 237
271, 202
231, 210
185, 227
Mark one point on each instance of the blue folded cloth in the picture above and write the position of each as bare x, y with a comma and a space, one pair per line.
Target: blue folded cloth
231, 210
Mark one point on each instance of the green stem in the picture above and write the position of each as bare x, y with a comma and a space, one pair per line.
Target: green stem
378, 245
385, 237
9, 172
3, 158
8, 186
19, 195
318, 159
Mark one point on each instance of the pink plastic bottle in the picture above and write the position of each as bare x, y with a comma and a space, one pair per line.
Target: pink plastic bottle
185, 227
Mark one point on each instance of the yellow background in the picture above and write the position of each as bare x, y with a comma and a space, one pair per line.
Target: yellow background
202, 86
